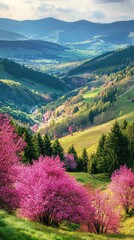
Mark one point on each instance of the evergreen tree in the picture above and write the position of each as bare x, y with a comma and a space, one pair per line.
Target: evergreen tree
41, 144
47, 146
124, 125
117, 149
28, 153
58, 150
101, 155
84, 160
130, 136
91, 116
36, 147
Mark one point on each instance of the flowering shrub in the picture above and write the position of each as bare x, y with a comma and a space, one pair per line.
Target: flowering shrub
49, 195
70, 162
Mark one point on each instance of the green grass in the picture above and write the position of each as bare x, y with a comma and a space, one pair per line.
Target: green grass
89, 138
95, 180
89, 96
13, 228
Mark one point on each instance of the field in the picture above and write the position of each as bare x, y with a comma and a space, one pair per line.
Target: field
13, 228
95, 180
91, 94
88, 138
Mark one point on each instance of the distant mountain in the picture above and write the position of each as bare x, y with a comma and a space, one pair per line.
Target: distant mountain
106, 63
6, 35
62, 32
28, 48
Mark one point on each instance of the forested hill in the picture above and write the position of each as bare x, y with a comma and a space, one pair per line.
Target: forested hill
20, 72
106, 63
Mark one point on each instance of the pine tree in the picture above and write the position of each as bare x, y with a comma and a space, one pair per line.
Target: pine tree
117, 148
47, 146
101, 155
58, 150
28, 153
36, 147
41, 144
130, 136
84, 160
124, 125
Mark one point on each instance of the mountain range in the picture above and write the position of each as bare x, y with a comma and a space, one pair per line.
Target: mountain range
80, 33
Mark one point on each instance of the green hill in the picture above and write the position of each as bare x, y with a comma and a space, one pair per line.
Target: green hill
23, 90
108, 62
89, 138
13, 228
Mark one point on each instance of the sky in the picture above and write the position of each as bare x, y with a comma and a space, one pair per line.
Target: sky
68, 10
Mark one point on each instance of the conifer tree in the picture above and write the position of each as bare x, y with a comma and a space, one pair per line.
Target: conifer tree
41, 144
58, 150
117, 148
130, 136
28, 153
124, 125
101, 155
84, 160
36, 147
47, 146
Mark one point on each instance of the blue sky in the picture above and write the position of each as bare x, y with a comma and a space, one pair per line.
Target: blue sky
68, 10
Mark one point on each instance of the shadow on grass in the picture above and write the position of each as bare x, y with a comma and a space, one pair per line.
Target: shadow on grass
120, 236
12, 228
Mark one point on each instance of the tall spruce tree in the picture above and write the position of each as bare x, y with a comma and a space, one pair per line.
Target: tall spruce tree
84, 160
101, 155
28, 153
58, 150
47, 146
36, 147
130, 136
117, 149
41, 144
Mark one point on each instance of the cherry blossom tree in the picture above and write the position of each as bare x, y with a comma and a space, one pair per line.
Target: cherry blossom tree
11, 146
49, 195
107, 217
122, 186
70, 162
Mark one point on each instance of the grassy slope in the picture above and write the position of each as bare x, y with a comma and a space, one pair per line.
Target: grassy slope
12, 228
89, 138
95, 180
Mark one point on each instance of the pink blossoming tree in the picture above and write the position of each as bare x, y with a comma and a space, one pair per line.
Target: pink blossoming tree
107, 217
122, 186
70, 162
11, 146
49, 195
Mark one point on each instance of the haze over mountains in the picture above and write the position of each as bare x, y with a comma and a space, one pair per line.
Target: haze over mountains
80, 33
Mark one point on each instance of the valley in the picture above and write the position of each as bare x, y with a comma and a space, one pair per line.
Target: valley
66, 128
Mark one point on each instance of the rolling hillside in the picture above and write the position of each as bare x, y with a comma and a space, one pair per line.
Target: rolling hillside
10, 36
89, 138
108, 62
23, 90
32, 50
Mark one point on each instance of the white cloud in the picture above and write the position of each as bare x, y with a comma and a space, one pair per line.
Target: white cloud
4, 6
69, 10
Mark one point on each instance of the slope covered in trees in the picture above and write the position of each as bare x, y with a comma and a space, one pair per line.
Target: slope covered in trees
107, 63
